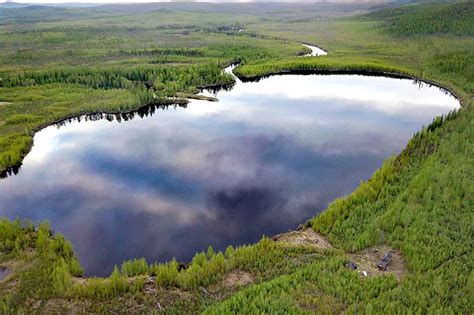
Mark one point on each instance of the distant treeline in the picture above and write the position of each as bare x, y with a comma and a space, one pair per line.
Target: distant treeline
167, 79
163, 52
428, 19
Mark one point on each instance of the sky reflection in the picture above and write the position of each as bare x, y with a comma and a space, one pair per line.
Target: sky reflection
262, 160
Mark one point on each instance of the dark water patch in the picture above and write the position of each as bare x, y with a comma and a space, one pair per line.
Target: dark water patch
169, 181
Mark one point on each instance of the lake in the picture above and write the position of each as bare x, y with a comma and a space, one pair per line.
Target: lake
168, 182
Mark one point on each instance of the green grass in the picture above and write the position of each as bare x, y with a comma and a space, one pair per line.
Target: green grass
428, 19
419, 202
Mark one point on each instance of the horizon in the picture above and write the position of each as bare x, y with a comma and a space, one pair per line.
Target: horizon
186, 1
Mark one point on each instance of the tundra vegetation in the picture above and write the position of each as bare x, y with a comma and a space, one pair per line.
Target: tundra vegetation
419, 202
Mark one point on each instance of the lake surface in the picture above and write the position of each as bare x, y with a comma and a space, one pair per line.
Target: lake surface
268, 156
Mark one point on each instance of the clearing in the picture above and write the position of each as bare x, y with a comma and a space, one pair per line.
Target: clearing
306, 237
368, 259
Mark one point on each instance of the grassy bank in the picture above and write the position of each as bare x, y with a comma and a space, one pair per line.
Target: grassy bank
418, 203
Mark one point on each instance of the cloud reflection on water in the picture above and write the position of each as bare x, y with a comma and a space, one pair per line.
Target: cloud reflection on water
260, 161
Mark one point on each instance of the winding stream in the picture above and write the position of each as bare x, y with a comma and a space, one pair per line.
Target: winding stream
168, 182
315, 51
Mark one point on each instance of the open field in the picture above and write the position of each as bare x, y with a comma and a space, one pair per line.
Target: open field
418, 204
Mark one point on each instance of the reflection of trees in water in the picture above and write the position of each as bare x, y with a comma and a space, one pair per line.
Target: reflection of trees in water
13, 170
214, 89
142, 112
420, 83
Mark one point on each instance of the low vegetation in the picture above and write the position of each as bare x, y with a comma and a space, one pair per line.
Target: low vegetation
54, 272
427, 19
418, 203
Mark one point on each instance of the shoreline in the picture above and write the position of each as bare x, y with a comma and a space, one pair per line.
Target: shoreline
368, 73
13, 169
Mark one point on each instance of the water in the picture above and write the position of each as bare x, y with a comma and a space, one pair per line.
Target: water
265, 158
315, 51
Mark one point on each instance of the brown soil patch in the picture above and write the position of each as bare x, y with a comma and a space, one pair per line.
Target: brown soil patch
59, 306
368, 259
197, 97
5, 103
306, 237
237, 278
182, 295
81, 281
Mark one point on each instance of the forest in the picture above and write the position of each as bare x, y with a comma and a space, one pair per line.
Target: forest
419, 203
